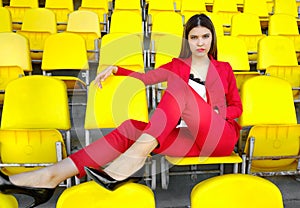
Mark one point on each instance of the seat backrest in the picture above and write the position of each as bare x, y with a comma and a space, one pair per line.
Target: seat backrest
275, 50
65, 51
126, 22
233, 50
256, 7
289, 73
6, 22
286, 7
14, 51
157, 6
103, 4
43, 103
121, 98
267, 100
39, 20
84, 21
121, 49
63, 4
129, 195
192, 7
134, 6
224, 6
217, 22
166, 48
283, 24
245, 24
167, 23
98, 6
24, 3
220, 191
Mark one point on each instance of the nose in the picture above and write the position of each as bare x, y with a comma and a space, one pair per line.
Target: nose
200, 41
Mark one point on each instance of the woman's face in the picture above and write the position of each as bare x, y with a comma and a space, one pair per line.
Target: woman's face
200, 39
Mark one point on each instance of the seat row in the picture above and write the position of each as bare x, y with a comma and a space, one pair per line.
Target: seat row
66, 52
214, 192
269, 143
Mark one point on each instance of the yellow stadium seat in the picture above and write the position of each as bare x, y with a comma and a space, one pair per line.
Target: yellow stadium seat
25, 150
86, 24
133, 6
125, 98
220, 191
192, 7
126, 22
156, 7
166, 23
92, 195
8, 201
14, 51
43, 104
247, 27
289, 73
38, 25
30, 123
285, 25
6, 22
61, 8
166, 161
101, 8
217, 22
66, 52
275, 51
17, 9
120, 99
122, 49
259, 8
286, 7
225, 9
272, 144
233, 50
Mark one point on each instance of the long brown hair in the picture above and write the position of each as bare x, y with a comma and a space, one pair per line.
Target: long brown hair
195, 21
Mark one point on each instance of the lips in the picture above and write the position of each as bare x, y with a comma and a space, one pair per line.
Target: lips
200, 49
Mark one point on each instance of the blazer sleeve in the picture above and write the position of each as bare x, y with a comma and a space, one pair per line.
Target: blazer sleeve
233, 100
154, 76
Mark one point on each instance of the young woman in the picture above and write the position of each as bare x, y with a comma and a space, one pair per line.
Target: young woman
201, 94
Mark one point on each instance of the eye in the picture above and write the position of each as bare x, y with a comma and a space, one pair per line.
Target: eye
206, 36
193, 37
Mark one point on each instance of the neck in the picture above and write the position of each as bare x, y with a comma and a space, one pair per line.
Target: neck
202, 60
200, 66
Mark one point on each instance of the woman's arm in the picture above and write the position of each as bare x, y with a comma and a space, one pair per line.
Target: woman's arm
234, 104
154, 76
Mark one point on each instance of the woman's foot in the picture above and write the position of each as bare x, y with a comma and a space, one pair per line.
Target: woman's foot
105, 180
132, 159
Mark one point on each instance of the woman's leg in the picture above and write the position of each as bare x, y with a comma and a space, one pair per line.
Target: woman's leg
48, 177
97, 154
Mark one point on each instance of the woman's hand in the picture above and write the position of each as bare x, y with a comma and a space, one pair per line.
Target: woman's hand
104, 74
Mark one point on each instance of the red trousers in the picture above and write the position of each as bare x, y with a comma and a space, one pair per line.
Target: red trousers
207, 134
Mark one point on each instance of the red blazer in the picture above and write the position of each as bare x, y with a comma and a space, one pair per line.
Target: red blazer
220, 83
